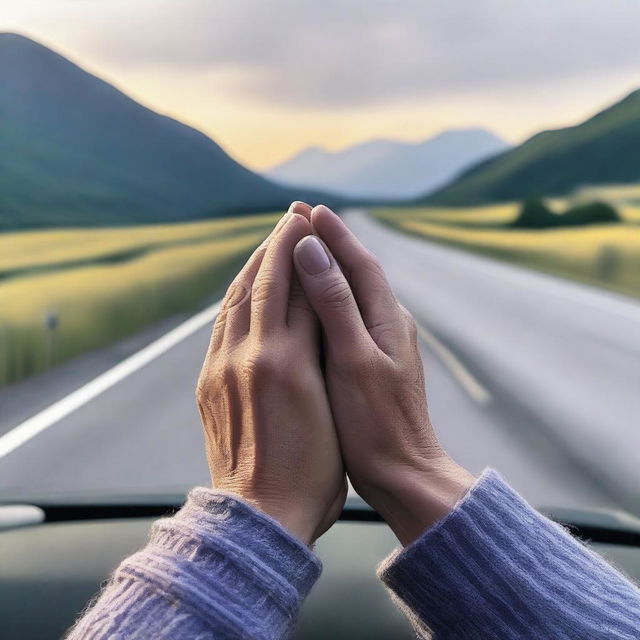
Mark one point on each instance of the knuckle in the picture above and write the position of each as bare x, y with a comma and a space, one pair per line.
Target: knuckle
409, 321
265, 287
371, 264
384, 334
261, 366
203, 389
219, 324
336, 295
412, 327
236, 293
371, 260
214, 377
404, 311
226, 374
203, 386
204, 377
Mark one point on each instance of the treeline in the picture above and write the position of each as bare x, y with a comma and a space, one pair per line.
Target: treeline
535, 214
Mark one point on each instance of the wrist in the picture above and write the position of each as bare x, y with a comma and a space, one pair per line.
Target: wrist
415, 497
298, 524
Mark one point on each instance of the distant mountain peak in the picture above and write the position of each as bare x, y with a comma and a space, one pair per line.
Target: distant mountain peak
12, 35
604, 149
383, 168
20, 44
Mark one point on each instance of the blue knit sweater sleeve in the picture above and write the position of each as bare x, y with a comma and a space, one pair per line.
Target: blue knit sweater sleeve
218, 569
495, 569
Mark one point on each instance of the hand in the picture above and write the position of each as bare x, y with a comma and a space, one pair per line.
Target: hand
268, 428
375, 383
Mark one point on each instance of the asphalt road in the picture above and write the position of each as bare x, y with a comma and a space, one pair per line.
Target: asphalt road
536, 376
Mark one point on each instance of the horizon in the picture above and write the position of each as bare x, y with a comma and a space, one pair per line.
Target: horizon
223, 94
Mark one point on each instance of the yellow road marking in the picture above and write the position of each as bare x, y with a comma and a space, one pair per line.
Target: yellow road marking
464, 377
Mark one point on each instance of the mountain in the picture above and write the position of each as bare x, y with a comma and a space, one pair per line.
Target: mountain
74, 150
386, 168
604, 149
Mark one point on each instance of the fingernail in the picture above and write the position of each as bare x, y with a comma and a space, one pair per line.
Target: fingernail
312, 256
299, 207
323, 207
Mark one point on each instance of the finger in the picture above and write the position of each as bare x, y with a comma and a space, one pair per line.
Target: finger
330, 296
376, 301
238, 311
232, 322
302, 208
271, 288
301, 318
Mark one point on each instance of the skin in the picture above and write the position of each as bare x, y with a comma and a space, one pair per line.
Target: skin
375, 384
269, 432
279, 431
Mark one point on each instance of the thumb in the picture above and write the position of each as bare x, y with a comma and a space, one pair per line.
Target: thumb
330, 295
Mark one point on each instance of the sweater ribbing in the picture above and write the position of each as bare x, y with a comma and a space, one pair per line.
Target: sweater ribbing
495, 568
217, 569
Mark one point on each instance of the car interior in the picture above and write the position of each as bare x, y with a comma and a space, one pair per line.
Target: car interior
54, 558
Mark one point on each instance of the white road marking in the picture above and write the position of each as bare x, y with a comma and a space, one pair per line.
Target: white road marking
31, 427
464, 377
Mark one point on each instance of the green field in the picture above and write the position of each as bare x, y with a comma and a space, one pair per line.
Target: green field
603, 255
104, 284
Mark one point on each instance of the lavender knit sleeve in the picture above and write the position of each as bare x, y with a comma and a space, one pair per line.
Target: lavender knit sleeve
495, 568
217, 569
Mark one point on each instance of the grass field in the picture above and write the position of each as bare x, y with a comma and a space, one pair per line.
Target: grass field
104, 284
604, 255
502, 214
28, 251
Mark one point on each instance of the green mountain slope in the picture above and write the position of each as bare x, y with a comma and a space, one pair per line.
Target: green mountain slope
76, 151
602, 150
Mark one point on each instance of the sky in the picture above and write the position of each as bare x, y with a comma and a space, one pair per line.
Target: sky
267, 78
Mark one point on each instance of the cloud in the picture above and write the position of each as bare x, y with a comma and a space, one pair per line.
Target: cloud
346, 53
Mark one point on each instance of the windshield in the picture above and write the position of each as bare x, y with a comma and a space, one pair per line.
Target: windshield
488, 153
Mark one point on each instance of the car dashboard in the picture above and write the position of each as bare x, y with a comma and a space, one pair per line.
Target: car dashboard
49, 570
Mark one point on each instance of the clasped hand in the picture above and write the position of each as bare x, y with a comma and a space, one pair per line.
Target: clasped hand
313, 371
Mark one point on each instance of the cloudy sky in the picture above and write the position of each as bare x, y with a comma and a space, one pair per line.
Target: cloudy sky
266, 78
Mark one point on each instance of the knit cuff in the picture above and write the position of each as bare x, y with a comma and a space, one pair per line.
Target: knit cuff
495, 568
226, 514
230, 565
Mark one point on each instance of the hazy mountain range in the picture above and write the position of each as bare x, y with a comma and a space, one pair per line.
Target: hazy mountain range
389, 169
74, 150
605, 149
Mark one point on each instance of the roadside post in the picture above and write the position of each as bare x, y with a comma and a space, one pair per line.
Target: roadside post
608, 262
51, 322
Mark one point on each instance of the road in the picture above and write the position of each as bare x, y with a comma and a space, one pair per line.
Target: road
536, 376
